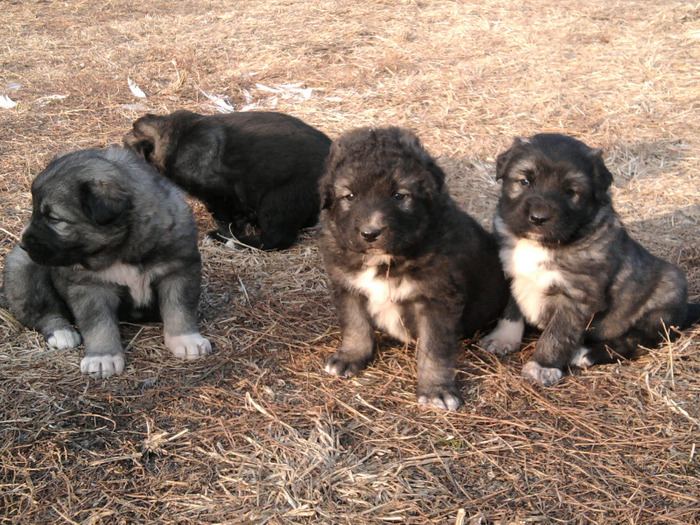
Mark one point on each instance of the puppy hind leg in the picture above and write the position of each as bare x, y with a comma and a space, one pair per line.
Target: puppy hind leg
228, 232
648, 330
627, 346
32, 298
281, 215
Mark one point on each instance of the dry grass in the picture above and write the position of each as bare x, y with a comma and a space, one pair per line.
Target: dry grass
257, 433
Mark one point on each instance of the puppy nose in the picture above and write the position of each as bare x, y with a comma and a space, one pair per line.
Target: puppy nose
538, 218
370, 234
23, 239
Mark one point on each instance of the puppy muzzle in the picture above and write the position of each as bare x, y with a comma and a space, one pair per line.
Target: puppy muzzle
539, 212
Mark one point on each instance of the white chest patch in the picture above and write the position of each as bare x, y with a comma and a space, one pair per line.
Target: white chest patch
137, 280
382, 297
531, 267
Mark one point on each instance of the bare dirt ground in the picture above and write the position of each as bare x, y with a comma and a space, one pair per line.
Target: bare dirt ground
258, 433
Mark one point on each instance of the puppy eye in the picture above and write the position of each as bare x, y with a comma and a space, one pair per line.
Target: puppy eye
57, 224
398, 196
524, 182
349, 196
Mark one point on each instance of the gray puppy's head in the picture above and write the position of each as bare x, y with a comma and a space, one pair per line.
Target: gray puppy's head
81, 204
554, 188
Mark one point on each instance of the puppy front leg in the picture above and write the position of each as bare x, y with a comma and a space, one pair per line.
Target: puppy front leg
436, 355
508, 334
356, 332
178, 297
32, 298
95, 311
559, 343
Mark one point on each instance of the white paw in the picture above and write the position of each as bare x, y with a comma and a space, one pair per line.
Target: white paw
539, 374
232, 244
101, 366
442, 397
444, 402
188, 346
64, 338
505, 338
581, 359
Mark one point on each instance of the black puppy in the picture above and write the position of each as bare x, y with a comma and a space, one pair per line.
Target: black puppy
402, 257
258, 169
576, 274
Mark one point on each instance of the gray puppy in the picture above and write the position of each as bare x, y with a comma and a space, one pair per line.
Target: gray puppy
403, 258
108, 239
576, 273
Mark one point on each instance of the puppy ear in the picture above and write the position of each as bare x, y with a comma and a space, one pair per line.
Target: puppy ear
437, 173
326, 194
503, 159
334, 156
412, 144
104, 201
145, 136
333, 161
602, 176
501, 162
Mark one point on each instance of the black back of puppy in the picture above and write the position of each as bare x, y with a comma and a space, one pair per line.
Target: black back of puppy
403, 258
259, 168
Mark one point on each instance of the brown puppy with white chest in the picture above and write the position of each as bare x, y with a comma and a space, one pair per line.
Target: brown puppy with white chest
403, 258
576, 274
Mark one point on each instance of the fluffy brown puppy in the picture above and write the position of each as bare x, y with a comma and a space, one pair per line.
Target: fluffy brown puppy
403, 258
576, 274
253, 170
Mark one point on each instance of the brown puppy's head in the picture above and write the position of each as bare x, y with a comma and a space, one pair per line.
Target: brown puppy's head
553, 188
80, 210
150, 139
382, 193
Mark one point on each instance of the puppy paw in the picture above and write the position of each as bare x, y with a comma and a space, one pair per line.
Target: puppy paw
64, 338
343, 365
445, 398
539, 374
505, 338
582, 358
102, 366
188, 346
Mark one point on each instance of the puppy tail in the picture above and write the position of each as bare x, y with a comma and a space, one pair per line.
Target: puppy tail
693, 315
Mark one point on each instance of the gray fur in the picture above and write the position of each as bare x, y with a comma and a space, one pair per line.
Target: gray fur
108, 239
